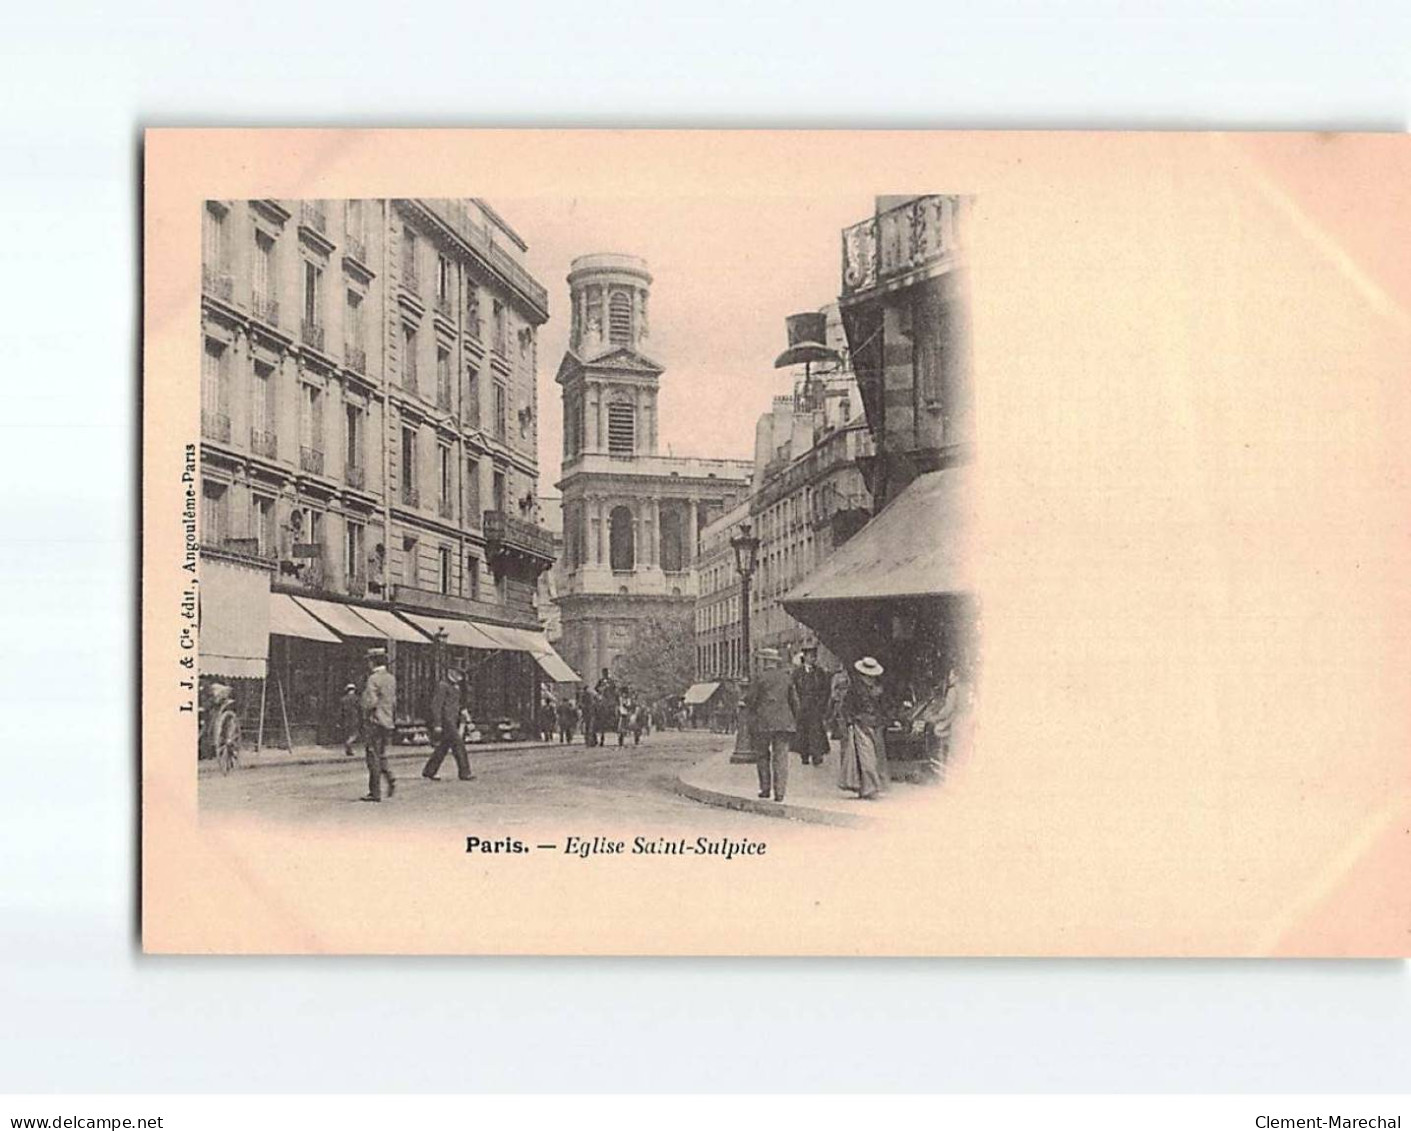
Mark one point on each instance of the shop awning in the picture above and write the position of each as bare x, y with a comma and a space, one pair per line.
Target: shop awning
699, 693
343, 619
235, 620
919, 545
286, 618
391, 627
460, 633
554, 666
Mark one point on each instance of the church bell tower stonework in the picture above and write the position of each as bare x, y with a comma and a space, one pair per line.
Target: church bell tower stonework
631, 517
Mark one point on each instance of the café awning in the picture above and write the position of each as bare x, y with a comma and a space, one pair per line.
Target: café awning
699, 693
553, 665
287, 618
234, 620
390, 626
919, 545
343, 619
460, 633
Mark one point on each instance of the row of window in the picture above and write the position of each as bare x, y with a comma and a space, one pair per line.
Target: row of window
720, 659
717, 614
362, 573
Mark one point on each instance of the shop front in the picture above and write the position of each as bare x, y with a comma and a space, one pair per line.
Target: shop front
902, 590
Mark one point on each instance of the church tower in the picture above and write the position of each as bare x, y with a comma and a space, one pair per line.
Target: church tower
610, 393
630, 515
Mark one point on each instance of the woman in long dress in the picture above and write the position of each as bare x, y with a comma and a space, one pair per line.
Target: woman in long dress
862, 761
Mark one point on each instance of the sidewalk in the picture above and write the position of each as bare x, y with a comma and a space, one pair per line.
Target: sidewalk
813, 794
321, 755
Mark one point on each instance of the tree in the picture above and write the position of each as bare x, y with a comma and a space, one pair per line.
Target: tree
661, 660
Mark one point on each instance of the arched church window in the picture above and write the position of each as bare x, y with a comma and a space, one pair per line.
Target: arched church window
622, 429
672, 544
620, 540
620, 318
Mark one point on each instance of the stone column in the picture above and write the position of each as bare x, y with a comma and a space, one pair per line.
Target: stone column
692, 531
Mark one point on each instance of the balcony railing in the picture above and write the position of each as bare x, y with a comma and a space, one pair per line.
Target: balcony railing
900, 240
443, 397
265, 308
445, 508
356, 358
411, 281
504, 532
410, 495
357, 586
311, 460
215, 426
217, 283
355, 476
311, 334
311, 215
355, 247
444, 307
264, 443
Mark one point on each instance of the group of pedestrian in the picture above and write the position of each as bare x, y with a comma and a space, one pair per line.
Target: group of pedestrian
789, 712
606, 707
370, 715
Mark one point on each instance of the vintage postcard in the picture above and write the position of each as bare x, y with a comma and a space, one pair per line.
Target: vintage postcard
776, 543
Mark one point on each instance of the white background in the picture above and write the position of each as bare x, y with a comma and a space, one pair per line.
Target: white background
82, 1010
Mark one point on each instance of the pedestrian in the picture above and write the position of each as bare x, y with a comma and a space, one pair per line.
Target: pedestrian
773, 704
548, 717
445, 726
350, 718
379, 703
812, 685
605, 705
567, 718
588, 709
625, 707
862, 759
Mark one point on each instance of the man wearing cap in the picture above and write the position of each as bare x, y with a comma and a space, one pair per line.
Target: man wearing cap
773, 704
379, 703
445, 723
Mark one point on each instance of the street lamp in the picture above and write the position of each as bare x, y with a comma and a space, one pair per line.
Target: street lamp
746, 547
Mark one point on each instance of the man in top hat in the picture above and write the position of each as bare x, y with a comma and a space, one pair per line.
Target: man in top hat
379, 704
773, 705
812, 685
445, 723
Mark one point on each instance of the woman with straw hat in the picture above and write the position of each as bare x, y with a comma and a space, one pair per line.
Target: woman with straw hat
863, 759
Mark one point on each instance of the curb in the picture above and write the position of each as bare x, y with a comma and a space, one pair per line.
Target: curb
765, 808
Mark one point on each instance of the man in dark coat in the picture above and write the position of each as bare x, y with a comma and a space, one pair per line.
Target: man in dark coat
605, 715
445, 723
812, 685
773, 705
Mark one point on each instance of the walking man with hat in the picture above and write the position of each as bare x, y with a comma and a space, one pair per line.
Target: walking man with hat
772, 701
445, 724
379, 704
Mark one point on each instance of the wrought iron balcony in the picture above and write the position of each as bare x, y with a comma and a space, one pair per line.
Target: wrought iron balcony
445, 508
893, 243
264, 443
311, 334
215, 426
311, 215
217, 283
355, 476
311, 460
411, 281
355, 247
453, 212
444, 307
355, 357
410, 495
507, 536
265, 308
357, 585
443, 397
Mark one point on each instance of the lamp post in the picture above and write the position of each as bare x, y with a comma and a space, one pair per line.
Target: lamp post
746, 547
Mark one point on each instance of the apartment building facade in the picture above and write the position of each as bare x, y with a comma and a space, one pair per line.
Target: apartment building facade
369, 432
